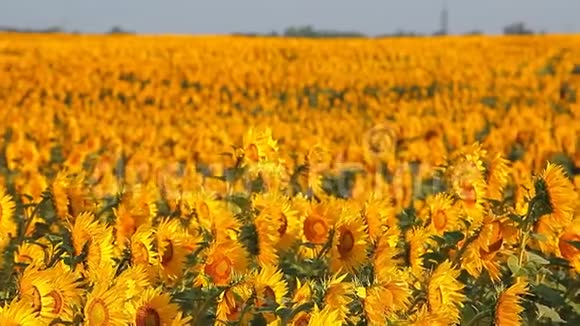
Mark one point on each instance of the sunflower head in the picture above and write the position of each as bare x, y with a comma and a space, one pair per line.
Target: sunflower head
349, 247
153, 308
508, 307
444, 292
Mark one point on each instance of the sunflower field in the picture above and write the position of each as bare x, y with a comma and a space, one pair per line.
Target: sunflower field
222, 180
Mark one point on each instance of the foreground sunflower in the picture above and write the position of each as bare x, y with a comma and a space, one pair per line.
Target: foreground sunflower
106, 306
561, 195
171, 240
224, 262
19, 313
444, 292
152, 308
349, 248
508, 307
7, 206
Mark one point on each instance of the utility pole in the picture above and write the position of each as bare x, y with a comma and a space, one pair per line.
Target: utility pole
444, 19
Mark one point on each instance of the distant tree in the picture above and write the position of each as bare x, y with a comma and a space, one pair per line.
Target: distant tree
518, 28
309, 31
119, 30
474, 32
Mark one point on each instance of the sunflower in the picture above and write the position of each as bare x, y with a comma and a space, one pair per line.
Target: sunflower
232, 302
383, 300
280, 209
303, 292
153, 307
560, 193
224, 262
498, 173
483, 252
66, 291
338, 295
380, 216
7, 206
349, 249
444, 292
269, 286
268, 236
566, 248
385, 265
106, 306
316, 227
20, 312
100, 255
468, 183
417, 239
172, 241
327, 316
133, 281
258, 145
31, 253
34, 287
508, 308
424, 317
443, 214
143, 252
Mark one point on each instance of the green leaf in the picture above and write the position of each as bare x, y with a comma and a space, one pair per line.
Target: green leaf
576, 244
452, 238
548, 295
550, 313
513, 265
536, 259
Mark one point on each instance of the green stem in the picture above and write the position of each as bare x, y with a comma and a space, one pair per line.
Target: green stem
478, 317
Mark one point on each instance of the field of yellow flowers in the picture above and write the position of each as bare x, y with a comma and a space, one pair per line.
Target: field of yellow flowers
269, 181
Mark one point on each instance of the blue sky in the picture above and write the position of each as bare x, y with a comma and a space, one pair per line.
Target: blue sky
224, 16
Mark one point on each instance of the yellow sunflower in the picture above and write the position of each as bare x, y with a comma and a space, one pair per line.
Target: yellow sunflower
316, 226
508, 308
327, 316
152, 307
417, 239
267, 227
338, 295
383, 300
20, 312
424, 317
172, 241
232, 302
385, 264
7, 223
100, 255
498, 173
280, 209
32, 254
224, 262
380, 216
303, 293
561, 195
349, 248
143, 252
444, 292
34, 287
66, 291
566, 248
106, 306
443, 214
484, 251
133, 281
270, 289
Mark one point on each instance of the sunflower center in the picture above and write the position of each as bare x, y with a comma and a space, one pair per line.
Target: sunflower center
345, 242
315, 229
36, 299
147, 316
203, 210
98, 314
302, 320
140, 253
568, 250
283, 225
268, 295
252, 152
468, 194
220, 269
57, 301
167, 252
440, 220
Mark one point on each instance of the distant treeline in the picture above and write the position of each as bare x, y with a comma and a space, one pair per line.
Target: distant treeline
308, 31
